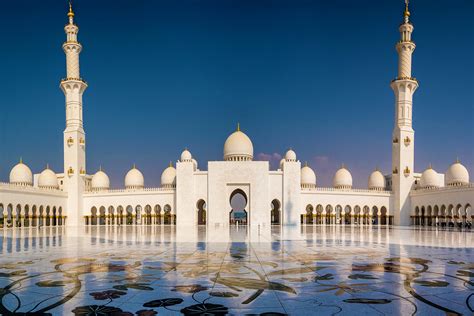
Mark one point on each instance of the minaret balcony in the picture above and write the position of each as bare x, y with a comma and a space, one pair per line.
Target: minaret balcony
405, 78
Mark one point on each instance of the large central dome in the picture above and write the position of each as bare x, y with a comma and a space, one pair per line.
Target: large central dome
238, 147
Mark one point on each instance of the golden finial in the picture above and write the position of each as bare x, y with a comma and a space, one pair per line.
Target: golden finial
377, 168
306, 164
238, 127
47, 165
134, 166
406, 14
70, 13
171, 164
100, 168
21, 160
430, 166
457, 160
343, 166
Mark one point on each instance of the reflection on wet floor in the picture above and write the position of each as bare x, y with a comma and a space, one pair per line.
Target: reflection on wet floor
145, 270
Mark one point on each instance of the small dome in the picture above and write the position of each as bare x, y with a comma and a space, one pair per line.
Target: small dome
100, 181
342, 179
376, 181
168, 177
457, 174
195, 164
290, 155
429, 179
21, 175
308, 177
281, 163
238, 147
134, 179
48, 179
186, 156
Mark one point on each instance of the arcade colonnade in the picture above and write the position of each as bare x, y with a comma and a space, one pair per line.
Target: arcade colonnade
18, 215
346, 215
443, 215
131, 215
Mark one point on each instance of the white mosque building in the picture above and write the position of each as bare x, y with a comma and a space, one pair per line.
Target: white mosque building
191, 196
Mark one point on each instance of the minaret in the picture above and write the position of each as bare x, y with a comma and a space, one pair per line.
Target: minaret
403, 138
74, 137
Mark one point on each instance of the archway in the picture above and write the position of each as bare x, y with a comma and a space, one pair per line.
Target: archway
429, 216
276, 212
422, 218
102, 215
41, 216
48, 216
147, 215
375, 215
383, 215
129, 215
366, 215
60, 216
417, 215
26, 216
347, 215
120, 215
357, 215
93, 216
2, 216
18, 216
201, 212
469, 216
319, 214
329, 214
238, 201
309, 215
167, 216
158, 214
338, 211
34, 216
54, 219
111, 215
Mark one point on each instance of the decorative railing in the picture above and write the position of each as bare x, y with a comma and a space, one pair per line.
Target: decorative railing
168, 189
405, 78
321, 189
446, 188
29, 188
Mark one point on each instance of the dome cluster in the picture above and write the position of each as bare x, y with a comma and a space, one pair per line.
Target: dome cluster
456, 175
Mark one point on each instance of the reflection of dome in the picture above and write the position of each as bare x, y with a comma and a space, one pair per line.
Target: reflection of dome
100, 181
429, 179
48, 179
281, 163
134, 179
186, 156
238, 147
342, 179
168, 177
457, 174
21, 175
308, 177
376, 181
290, 155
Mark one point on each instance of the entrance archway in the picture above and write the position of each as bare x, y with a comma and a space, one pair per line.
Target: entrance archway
238, 201
276, 212
201, 210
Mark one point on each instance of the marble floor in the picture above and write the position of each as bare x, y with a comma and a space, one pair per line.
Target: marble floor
165, 270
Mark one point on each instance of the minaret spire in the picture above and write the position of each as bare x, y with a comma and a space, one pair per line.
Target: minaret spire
403, 136
73, 88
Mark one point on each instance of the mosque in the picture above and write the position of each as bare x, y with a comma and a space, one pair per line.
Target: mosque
191, 196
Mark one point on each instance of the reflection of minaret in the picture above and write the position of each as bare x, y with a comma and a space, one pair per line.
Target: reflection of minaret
403, 145
74, 137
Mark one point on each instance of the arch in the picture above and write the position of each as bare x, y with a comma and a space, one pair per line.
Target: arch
148, 215
60, 216
375, 215
102, 215
347, 215
129, 215
34, 216
469, 216
275, 212
319, 214
111, 215
422, 216
18, 216
201, 212
26, 216
138, 214
338, 213
383, 216
329, 214
238, 201
93, 220
54, 220
48, 216
2, 216
309, 215
449, 215
429, 215
157, 210
119, 215
357, 214
167, 214
41, 216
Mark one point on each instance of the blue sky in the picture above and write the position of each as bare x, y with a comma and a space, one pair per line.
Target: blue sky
165, 75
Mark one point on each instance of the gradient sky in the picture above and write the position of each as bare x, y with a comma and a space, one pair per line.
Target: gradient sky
165, 75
